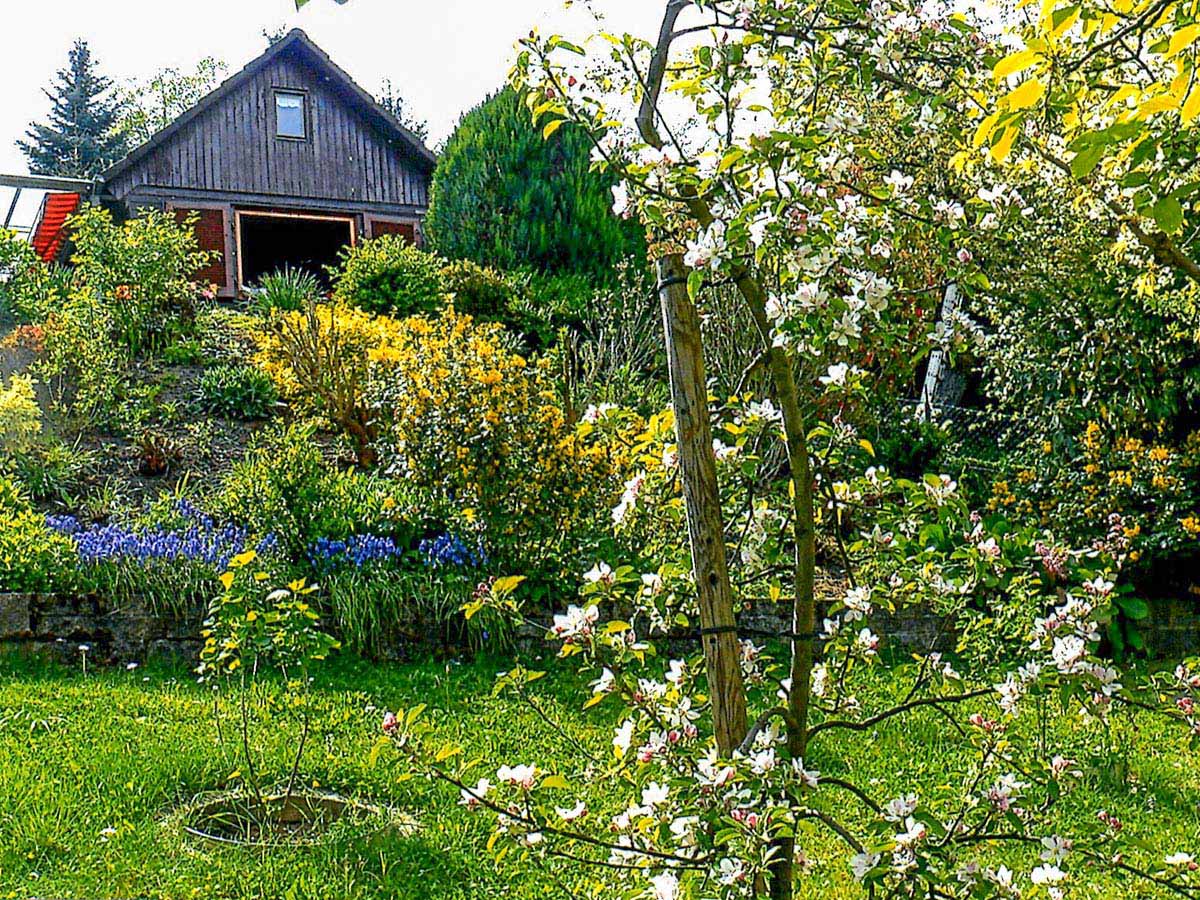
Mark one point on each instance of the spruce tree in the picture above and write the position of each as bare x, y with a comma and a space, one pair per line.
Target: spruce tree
80, 140
502, 196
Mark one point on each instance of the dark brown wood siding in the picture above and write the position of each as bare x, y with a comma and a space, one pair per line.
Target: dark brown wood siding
210, 236
406, 230
232, 148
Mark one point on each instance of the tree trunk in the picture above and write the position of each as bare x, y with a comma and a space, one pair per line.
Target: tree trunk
706, 532
804, 613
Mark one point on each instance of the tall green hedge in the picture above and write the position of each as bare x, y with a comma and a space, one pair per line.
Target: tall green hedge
504, 197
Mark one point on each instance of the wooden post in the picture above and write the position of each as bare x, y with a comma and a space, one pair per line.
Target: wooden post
706, 532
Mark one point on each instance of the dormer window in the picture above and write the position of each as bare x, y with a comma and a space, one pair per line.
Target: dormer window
290, 115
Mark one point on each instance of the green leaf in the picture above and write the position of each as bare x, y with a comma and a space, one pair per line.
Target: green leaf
1134, 607
1086, 160
1168, 213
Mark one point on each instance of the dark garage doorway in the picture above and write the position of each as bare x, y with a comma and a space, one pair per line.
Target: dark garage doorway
271, 241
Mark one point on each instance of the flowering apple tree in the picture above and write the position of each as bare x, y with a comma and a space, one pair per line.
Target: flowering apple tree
758, 142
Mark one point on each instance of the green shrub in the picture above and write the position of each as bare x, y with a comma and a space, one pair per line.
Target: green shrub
285, 486
907, 446
389, 275
238, 392
288, 289
131, 295
29, 289
184, 352
85, 367
504, 196
142, 270
20, 415
32, 557
480, 292
543, 304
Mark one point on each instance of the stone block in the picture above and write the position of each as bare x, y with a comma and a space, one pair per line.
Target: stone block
14, 617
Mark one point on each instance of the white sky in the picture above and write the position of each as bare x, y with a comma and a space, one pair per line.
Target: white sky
443, 56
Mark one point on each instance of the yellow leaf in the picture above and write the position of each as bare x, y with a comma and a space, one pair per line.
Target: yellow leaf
1157, 104
1179, 83
1014, 62
506, 585
1182, 39
1123, 93
554, 781
1191, 106
243, 559
1064, 25
1025, 94
984, 131
1003, 147
866, 445
551, 128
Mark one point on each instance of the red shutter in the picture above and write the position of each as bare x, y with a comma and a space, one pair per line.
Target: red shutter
406, 230
210, 235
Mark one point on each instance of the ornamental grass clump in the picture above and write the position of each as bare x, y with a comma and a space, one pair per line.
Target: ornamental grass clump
238, 392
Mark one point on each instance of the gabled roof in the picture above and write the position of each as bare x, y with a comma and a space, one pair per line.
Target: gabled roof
294, 40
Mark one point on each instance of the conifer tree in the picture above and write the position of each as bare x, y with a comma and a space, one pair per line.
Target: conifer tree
503, 196
80, 139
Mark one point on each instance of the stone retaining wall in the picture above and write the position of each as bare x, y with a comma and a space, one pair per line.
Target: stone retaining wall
134, 631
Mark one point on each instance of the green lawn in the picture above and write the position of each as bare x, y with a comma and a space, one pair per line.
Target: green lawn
93, 768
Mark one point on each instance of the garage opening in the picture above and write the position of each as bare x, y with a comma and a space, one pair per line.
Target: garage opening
268, 242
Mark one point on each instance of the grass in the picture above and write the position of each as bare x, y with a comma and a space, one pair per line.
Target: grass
95, 766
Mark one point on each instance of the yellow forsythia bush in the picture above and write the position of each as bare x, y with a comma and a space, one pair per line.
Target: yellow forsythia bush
447, 405
318, 359
481, 427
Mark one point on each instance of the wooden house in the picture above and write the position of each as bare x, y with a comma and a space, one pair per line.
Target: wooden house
285, 163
